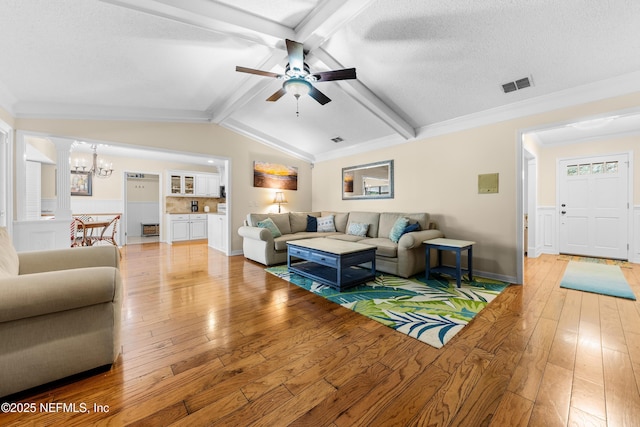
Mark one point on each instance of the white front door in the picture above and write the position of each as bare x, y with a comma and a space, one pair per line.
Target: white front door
594, 206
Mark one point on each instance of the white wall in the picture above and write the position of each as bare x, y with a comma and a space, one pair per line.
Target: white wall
202, 138
439, 175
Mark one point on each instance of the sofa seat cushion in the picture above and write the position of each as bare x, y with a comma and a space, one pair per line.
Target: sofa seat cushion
385, 247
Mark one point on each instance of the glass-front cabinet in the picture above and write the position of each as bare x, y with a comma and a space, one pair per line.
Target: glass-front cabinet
189, 184
182, 184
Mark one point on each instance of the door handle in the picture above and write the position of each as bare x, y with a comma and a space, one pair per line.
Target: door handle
563, 212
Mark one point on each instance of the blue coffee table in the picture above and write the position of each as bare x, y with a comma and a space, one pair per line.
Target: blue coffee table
336, 263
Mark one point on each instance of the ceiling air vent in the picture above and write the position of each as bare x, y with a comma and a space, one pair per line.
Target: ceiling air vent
509, 87
337, 139
516, 85
522, 83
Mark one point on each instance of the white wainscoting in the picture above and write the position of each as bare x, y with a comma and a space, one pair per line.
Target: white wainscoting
41, 235
634, 254
547, 236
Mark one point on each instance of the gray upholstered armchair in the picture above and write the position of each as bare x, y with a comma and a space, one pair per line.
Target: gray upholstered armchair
59, 313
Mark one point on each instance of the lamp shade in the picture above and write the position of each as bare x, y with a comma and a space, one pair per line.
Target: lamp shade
279, 198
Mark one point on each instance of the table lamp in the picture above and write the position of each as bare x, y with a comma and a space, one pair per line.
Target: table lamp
279, 199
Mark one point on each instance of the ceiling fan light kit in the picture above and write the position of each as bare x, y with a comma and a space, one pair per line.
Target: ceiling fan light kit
298, 80
297, 87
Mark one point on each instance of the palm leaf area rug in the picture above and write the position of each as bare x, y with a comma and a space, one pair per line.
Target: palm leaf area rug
597, 278
431, 311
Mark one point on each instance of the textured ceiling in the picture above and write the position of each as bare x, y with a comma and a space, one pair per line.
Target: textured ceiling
420, 65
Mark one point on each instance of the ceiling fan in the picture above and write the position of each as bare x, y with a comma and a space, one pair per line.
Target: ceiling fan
297, 77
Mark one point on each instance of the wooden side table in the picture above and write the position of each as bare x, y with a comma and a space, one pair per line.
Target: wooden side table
453, 245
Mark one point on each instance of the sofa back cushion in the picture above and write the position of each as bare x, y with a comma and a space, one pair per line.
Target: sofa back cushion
371, 218
9, 264
388, 219
298, 220
280, 220
340, 220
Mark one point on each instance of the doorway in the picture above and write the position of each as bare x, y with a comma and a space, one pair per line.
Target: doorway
593, 200
142, 207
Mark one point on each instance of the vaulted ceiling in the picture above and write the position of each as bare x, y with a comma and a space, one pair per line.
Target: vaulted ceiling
421, 65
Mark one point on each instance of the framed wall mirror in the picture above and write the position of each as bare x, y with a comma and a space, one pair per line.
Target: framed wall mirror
370, 181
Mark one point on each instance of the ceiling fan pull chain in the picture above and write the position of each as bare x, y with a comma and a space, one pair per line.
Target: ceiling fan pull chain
297, 105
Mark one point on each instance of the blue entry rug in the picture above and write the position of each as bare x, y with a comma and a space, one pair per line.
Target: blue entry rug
597, 278
431, 311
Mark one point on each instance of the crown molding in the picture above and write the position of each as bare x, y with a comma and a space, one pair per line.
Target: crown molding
93, 112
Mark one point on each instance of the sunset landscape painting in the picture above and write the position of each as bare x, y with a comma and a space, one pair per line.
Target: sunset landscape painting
274, 175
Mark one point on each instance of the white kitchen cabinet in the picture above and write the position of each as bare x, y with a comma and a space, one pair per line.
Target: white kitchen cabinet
179, 227
198, 227
182, 183
218, 232
208, 185
187, 227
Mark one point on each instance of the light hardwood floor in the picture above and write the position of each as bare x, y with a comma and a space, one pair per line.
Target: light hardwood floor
211, 340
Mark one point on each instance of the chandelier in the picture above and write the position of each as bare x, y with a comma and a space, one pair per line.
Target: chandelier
99, 169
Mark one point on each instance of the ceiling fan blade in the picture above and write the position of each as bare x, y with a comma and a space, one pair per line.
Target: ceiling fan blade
346, 74
258, 72
279, 94
318, 96
296, 55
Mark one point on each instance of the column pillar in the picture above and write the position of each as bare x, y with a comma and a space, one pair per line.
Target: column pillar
63, 177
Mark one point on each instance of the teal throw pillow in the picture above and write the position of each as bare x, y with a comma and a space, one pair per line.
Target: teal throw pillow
358, 229
271, 226
398, 229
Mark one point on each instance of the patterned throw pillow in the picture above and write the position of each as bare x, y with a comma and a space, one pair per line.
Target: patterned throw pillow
358, 229
326, 223
271, 226
312, 223
398, 229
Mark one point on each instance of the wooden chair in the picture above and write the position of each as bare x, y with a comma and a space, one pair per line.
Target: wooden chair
82, 233
74, 229
108, 234
78, 233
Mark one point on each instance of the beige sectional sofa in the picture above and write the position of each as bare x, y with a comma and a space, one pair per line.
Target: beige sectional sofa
404, 258
59, 313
